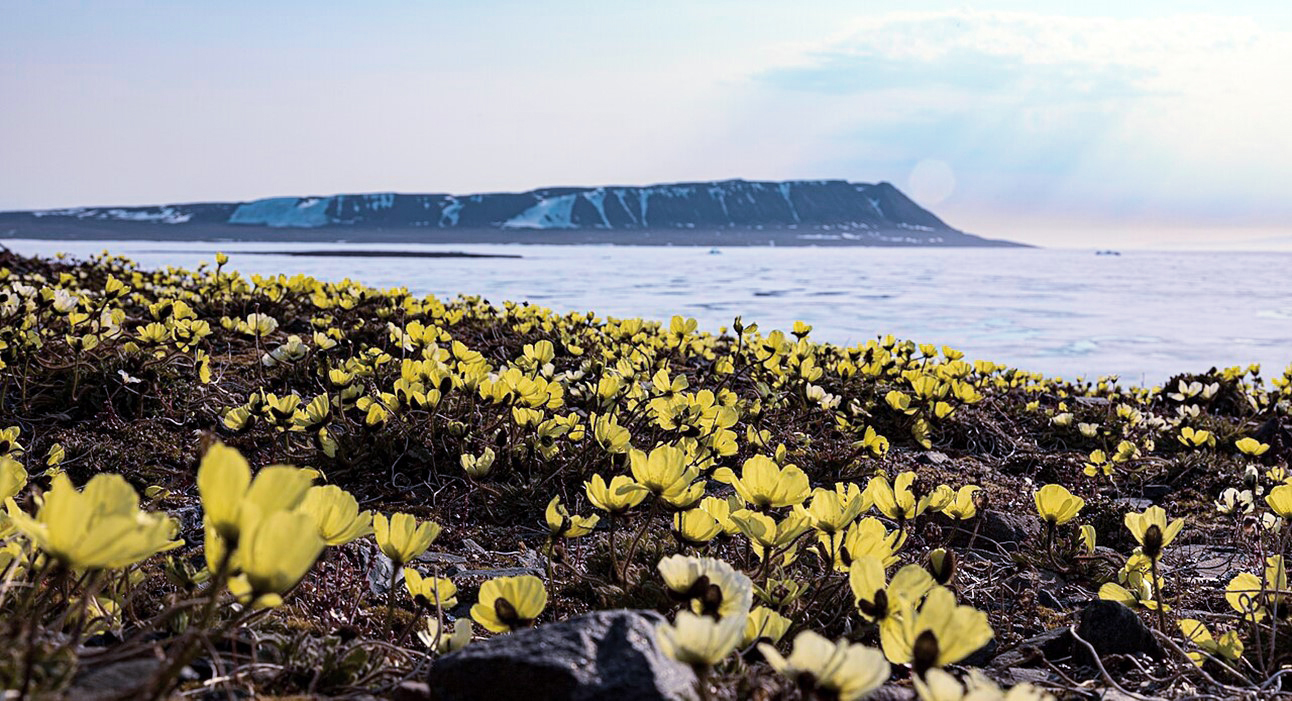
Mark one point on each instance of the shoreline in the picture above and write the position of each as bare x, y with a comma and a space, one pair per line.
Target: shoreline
322, 253
31, 228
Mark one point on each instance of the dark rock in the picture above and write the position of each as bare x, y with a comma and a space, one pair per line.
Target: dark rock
1046, 598
1053, 644
1111, 628
412, 691
932, 457
1038, 677
995, 528
380, 568
115, 681
981, 656
1156, 492
1131, 504
500, 572
440, 558
892, 692
1205, 563
603, 655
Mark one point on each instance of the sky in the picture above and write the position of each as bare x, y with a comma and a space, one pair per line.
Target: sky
1152, 123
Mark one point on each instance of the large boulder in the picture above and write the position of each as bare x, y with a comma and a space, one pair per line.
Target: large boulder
603, 655
1111, 628
997, 530
1052, 645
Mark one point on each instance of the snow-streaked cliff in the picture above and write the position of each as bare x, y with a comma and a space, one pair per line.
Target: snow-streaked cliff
816, 209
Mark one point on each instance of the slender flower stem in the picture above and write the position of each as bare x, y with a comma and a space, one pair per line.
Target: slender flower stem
161, 684
632, 549
1157, 595
390, 592
614, 559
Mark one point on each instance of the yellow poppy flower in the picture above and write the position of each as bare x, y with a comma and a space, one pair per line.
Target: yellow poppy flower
695, 526
663, 471
1151, 529
100, 527
766, 533
611, 436
1280, 500
13, 477
1250, 446
401, 537
1276, 578
942, 565
700, 641
233, 502
869, 537
897, 500
685, 498
1196, 438
258, 325
222, 481
721, 510
313, 415
444, 642
238, 419
1056, 505
830, 511
477, 466
1097, 464
765, 484
1088, 537
899, 401
616, 498
764, 625
273, 556
938, 685
713, 587
963, 508
941, 633
430, 591
1243, 593
839, 670
510, 603
1138, 591
1228, 647
9, 444
562, 525
876, 598
336, 513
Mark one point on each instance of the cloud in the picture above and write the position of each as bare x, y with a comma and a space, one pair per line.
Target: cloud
1158, 120
1004, 49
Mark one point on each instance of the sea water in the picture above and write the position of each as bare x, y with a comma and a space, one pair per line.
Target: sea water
1141, 315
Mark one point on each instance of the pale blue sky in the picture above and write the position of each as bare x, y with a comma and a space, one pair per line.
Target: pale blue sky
1093, 123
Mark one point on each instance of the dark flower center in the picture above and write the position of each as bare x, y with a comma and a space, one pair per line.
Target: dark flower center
508, 615
876, 609
924, 653
1153, 541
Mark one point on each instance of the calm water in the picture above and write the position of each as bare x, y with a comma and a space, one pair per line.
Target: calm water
1142, 315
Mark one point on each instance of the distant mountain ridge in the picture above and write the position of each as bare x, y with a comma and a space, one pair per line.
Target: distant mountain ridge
816, 210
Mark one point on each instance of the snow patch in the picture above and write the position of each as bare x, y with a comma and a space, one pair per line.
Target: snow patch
452, 210
70, 212
548, 213
284, 212
785, 192
155, 215
597, 198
